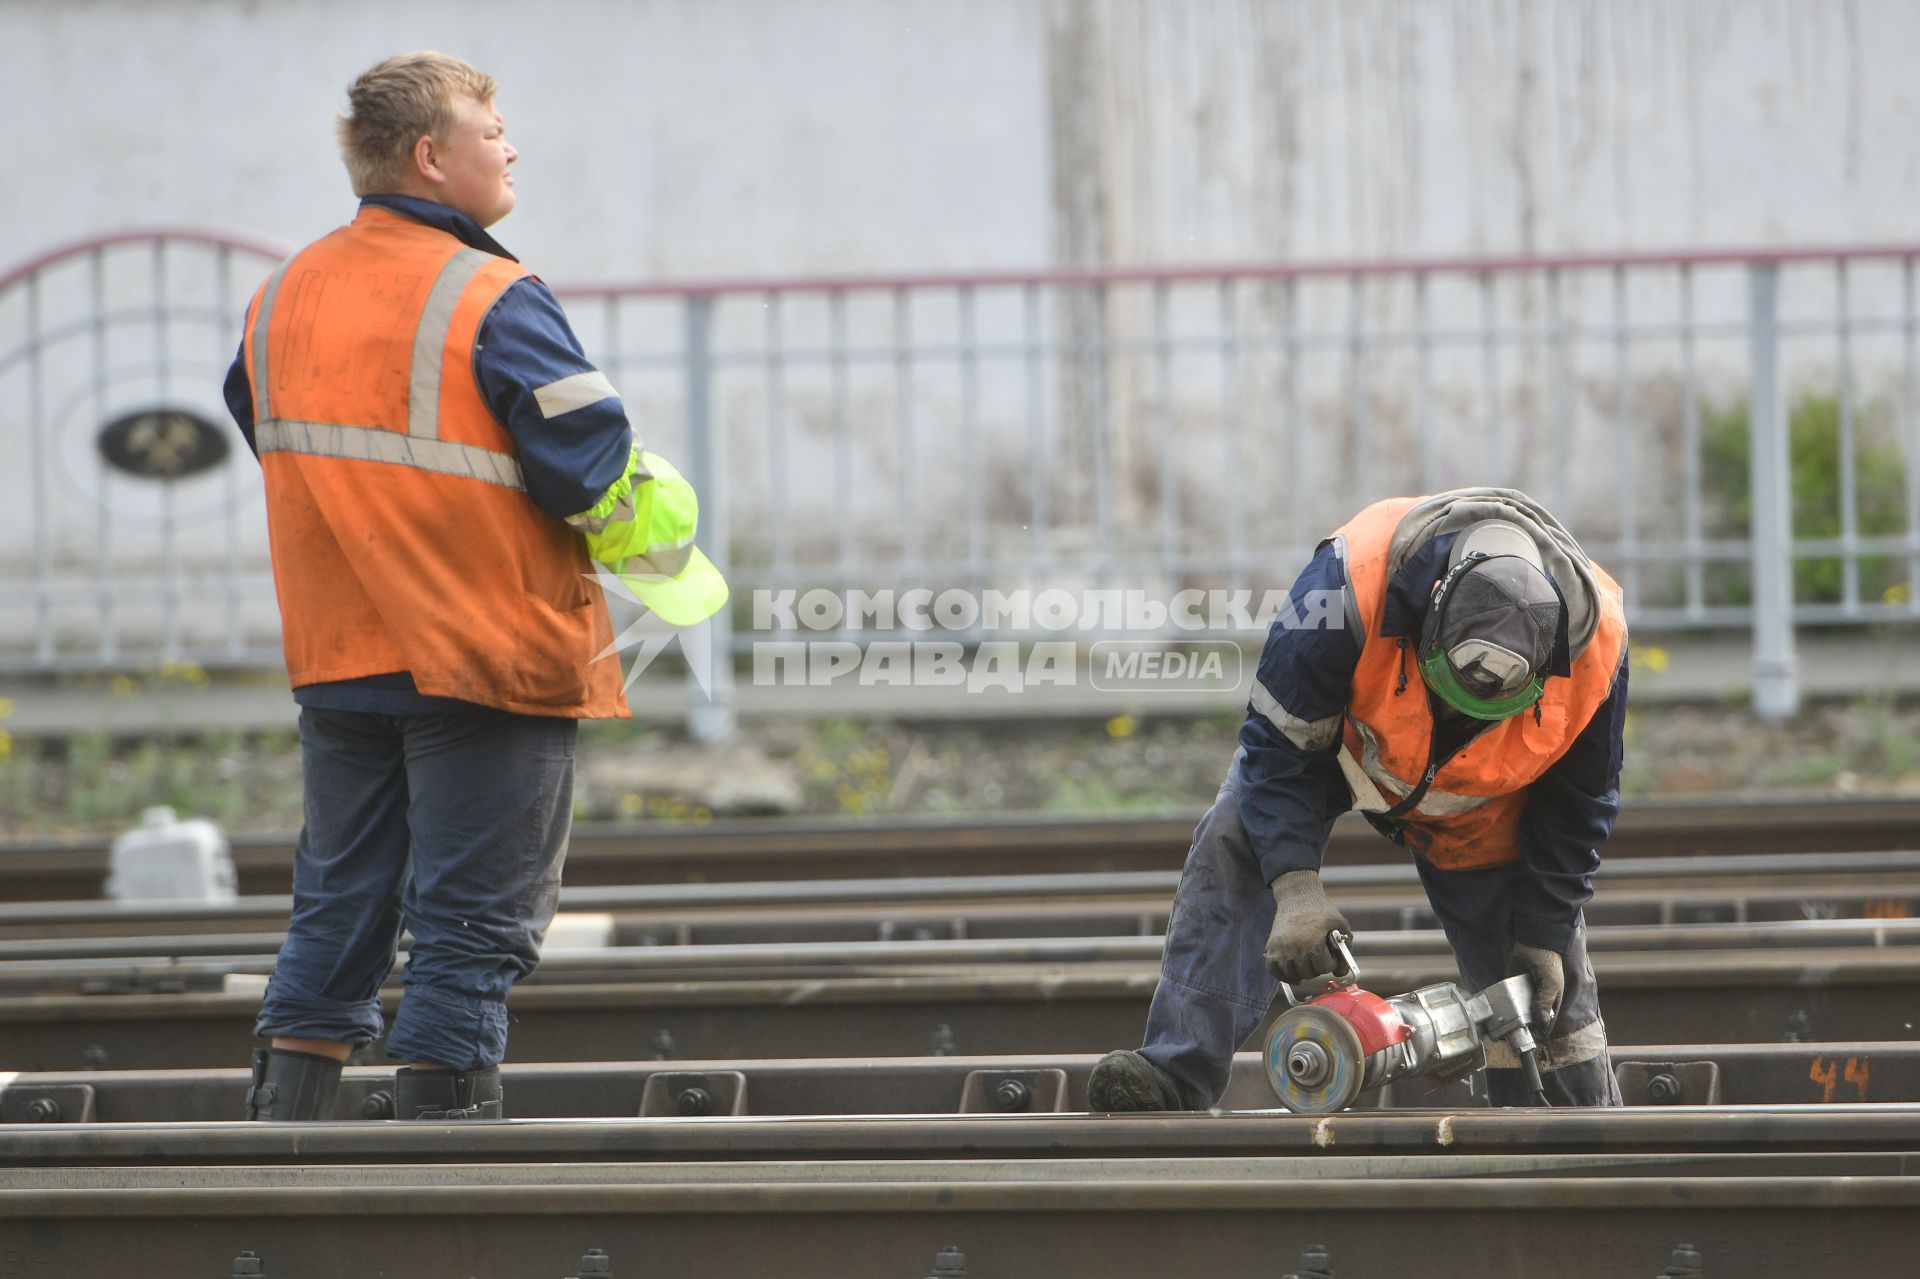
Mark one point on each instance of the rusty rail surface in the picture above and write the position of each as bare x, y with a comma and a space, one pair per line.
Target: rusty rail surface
745, 850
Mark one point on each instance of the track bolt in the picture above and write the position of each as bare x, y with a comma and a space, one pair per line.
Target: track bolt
596, 1263
1663, 1090
1315, 1263
951, 1263
694, 1101
248, 1266
942, 1043
43, 1110
1686, 1264
1010, 1095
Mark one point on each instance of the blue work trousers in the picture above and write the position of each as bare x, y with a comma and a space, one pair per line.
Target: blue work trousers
1214, 987
453, 826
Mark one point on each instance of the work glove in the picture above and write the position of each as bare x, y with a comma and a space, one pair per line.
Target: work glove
1549, 974
1297, 947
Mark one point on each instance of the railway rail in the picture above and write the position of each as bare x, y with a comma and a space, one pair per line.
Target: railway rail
1754, 996
749, 850
1806, 1191
166, 964
1650, 890
1661, 1075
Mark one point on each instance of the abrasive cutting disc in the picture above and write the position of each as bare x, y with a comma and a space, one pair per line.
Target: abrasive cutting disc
1338, 1067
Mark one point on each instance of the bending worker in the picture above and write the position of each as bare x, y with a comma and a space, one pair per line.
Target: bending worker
1467, 694
443, 467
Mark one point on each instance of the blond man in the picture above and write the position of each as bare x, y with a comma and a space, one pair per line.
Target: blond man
443, 468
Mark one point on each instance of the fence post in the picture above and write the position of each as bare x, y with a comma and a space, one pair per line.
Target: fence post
710, 714
1776, 681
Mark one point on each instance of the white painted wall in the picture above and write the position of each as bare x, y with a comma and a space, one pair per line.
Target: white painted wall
675, 137
700, 138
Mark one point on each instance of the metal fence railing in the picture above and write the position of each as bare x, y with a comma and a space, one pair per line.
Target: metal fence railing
1735, 434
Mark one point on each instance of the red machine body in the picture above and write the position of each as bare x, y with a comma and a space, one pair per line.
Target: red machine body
1375, 1020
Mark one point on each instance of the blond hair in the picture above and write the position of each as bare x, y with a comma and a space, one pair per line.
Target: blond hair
392, 104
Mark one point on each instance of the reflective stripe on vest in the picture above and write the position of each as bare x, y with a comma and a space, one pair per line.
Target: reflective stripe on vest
1435, 803
371, 444
421, 447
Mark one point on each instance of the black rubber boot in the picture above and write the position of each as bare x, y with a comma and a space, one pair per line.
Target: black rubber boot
447, 1094
292, 1085
1124, 1081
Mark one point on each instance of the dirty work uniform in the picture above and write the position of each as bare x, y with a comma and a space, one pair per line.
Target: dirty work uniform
427, 426
1505, 835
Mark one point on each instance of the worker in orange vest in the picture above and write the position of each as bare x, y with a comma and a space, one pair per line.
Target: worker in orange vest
1455, 669
444, 471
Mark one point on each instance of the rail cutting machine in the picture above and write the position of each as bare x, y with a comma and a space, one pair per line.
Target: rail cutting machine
1337, 1039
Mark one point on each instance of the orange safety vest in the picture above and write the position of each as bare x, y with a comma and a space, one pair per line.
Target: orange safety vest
402, 535
1470, 812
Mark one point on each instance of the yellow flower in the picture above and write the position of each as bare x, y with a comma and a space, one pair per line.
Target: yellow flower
632, 803
125, 686
191, 674
1121, 726
702, 815
6, 746
1647, 657
1898, 593
6, 708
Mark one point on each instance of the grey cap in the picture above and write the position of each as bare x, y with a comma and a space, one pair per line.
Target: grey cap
1499, 621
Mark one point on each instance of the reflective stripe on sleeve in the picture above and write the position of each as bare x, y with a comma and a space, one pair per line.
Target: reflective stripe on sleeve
1307, 734
1570, 1049
575, 392
370, 444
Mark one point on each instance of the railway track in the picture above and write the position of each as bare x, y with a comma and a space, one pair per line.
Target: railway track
748, 850
756, 1067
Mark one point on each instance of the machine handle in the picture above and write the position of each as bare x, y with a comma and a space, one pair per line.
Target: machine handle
1349, 975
